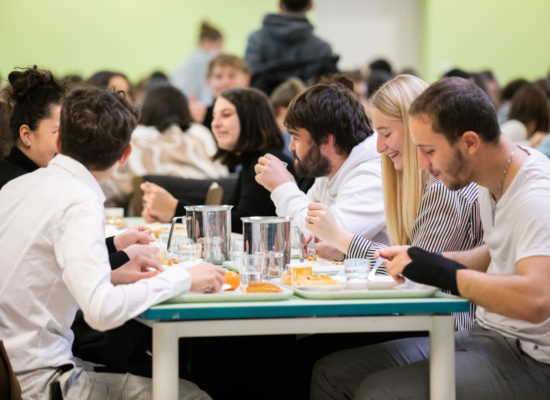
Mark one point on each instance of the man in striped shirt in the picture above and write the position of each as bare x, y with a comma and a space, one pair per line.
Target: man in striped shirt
506, 354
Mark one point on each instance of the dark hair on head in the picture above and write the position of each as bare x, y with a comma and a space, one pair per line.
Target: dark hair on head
530, 105
296, 5
325, 109
544, 84
101, 79
209, 32
96, 127
511, 88
457, 105
375, 80
259, 131
458, 73
337, 78
228, 60
5, 136
381, 64
31, 94
285, 92
165, 105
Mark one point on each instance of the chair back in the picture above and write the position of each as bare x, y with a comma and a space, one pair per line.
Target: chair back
9, 385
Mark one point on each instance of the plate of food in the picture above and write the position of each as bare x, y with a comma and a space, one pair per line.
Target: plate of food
255, 291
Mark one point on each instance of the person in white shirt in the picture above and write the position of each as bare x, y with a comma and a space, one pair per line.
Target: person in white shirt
332, 140
55, 261
506, 355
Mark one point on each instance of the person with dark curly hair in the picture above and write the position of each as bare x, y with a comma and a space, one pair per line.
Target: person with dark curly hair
34, 98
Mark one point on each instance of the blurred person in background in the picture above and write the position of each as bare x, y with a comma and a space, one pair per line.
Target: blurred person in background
165, 142
529, 115
113, 80
190, 77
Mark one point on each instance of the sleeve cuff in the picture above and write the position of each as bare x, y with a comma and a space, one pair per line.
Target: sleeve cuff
180, 277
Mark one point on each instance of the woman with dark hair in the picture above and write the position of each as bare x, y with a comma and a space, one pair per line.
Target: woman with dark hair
528, 122
34, 99
166, 142
245, 128
116, 81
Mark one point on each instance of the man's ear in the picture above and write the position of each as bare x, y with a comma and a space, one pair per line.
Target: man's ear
329, 144
471, 142
126, 154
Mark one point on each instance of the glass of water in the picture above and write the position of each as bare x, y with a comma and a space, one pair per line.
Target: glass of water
357, 272
274, 264
252, 267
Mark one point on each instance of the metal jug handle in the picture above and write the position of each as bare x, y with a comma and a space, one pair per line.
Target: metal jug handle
174, 220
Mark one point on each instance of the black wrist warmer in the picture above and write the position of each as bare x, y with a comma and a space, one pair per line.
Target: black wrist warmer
432, 269
110, 242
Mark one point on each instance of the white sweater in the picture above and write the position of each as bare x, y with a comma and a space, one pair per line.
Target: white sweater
354, 194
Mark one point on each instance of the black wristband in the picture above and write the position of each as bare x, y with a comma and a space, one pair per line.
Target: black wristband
432, 269
110, 242
118, 258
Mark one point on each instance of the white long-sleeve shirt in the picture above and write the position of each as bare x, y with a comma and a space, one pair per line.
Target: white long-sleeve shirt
54, 260
354, 194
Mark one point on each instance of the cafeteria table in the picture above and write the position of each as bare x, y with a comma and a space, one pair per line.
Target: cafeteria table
303, 316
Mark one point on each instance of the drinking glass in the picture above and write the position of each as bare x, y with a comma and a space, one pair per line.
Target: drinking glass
252, 267
357, 272
274, 264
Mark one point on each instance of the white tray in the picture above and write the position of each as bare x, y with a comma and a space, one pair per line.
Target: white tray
231, 295
396, 292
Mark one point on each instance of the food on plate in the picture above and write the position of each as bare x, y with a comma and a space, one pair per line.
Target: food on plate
299, 270
233, 279
262, 287
156, 228
164, 260
285, 278
316, 280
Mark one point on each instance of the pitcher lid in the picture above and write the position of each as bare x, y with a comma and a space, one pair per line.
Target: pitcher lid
266, 220
223, 207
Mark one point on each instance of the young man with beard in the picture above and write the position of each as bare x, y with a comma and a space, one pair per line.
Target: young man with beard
332, 141
506, 355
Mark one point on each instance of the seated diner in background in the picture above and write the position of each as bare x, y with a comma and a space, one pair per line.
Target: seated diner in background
245, 128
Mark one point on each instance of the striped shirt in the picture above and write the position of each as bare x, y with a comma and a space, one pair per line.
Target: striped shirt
446, 221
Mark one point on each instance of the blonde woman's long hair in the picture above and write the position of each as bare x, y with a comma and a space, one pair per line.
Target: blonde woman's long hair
402, 189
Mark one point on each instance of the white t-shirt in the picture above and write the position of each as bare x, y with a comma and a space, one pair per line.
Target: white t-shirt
354, 194
521, 228
54, 260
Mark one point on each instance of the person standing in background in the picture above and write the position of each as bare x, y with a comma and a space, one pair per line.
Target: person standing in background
190, 77
285, 46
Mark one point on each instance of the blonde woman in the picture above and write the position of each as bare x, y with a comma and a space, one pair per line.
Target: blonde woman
420, 210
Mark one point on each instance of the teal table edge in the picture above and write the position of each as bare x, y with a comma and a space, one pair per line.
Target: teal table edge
298, 307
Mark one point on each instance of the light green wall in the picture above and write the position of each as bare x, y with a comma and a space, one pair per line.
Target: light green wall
511, 37
132, 36
137, 36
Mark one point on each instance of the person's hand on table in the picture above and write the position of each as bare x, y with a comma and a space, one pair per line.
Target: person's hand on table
396, 260
206, 277
271, 172
142, 266
158, 203
135, 250
133, 235
328, 252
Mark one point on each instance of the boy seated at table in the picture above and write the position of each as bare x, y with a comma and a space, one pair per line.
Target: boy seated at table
55, 261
